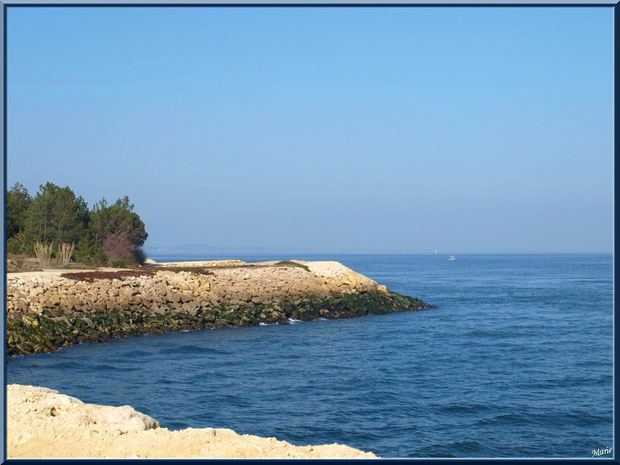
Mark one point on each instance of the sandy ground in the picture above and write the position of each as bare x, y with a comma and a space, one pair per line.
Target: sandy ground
325, 269
149, 263
53, 272
215, 263
42, 423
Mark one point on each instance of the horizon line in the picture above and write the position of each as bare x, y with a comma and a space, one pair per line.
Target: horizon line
267, 250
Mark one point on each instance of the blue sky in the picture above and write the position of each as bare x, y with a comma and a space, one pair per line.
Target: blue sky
351, 130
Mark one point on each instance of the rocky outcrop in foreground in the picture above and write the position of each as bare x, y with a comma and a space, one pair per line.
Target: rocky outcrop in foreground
42, 423
49, 310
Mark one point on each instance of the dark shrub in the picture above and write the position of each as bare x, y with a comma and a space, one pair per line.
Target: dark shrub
118, 247
139, 256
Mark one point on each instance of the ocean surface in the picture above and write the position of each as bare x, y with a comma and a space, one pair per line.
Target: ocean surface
515, 362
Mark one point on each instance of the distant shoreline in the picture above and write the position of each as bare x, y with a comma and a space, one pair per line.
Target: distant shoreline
250, 253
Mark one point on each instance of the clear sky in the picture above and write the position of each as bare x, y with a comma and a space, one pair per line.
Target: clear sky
351, 130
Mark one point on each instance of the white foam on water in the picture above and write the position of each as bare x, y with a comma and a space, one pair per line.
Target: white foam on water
293, 321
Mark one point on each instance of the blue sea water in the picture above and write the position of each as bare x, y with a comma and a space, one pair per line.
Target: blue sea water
515, 362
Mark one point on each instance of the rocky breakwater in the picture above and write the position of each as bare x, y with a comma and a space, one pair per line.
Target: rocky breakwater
42, 423
49, 310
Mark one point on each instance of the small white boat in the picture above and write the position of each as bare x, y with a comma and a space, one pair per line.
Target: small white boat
451, 258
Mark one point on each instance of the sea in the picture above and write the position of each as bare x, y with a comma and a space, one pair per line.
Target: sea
516, 361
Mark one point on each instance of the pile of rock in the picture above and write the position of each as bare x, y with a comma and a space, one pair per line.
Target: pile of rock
48, 311
42, 423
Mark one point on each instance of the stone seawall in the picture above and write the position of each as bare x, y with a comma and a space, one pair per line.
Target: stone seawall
46, 311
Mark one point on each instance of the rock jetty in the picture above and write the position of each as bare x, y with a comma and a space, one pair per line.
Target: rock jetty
42, 423
49, 310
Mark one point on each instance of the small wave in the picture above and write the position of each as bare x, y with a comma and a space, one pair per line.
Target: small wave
267, 324
466, 446
293, 321
453, 449
139, 352
61, 365
459, 408
104, 367
192, 349
546, 419
484, 333
176, 425
504, 418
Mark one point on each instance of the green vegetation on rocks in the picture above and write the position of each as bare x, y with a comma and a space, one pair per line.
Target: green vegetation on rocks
54, 328
291, 263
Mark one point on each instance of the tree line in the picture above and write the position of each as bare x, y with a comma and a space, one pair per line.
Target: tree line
60, 223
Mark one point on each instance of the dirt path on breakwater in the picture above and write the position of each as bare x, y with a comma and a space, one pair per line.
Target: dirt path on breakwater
42, 423
48, 310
